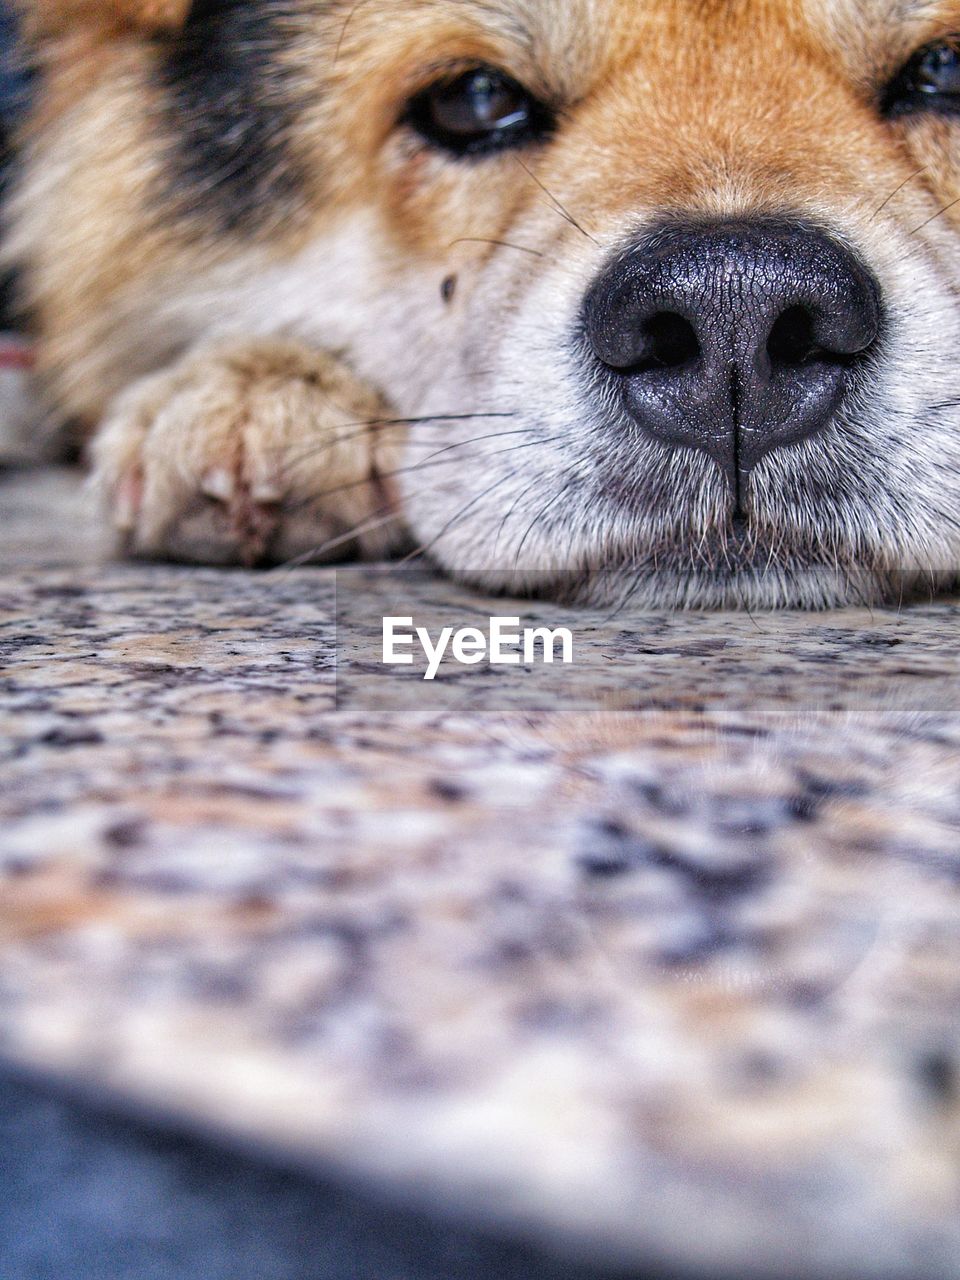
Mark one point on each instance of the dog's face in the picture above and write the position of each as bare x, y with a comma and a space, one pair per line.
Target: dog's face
683, 277
671, 287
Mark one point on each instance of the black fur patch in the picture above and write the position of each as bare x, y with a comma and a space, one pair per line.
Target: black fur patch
230, 111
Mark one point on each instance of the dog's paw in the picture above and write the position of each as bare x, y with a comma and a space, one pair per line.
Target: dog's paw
250, 453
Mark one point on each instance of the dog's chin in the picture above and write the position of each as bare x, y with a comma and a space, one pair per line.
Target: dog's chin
745, 589
740, 581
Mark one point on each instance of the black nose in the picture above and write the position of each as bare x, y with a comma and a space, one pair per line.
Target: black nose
734, 338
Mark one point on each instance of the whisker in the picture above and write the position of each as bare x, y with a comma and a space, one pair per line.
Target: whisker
500, 244
561, 209
424, 548
952, 402
511, 509
939, 214
343, 30
906, 182
402, 471
354, 430
631, 593
472, 439
540, 514
744, 605
496, 435
377, 521
385, 514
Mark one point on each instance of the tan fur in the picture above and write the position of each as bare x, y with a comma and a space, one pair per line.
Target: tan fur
223, 450
695, 107
45, 18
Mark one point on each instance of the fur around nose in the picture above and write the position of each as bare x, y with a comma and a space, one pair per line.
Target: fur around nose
734, 338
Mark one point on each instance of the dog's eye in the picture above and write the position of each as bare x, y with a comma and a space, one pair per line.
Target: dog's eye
480, 111
929, 82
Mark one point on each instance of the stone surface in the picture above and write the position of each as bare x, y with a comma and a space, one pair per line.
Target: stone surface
667, 971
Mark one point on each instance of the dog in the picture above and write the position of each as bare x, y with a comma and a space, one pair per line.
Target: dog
591, 299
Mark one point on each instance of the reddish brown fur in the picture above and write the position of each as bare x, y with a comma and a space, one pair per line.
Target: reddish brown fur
56, 17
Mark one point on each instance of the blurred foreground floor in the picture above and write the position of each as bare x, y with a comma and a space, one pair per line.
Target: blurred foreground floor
88, 1197
666, 973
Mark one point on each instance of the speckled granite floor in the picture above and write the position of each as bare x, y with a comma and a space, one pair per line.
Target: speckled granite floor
668, 972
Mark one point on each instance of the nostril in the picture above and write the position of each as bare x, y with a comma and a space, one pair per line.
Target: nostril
792, 340
800, 338
670, 342
732, 338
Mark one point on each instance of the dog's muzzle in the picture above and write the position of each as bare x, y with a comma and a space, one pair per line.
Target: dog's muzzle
734, 338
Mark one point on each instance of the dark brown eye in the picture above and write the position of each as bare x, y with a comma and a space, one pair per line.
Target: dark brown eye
480, 111
929, 82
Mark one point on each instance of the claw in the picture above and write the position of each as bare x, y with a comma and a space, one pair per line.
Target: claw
218, 483
127, 502
267, 492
